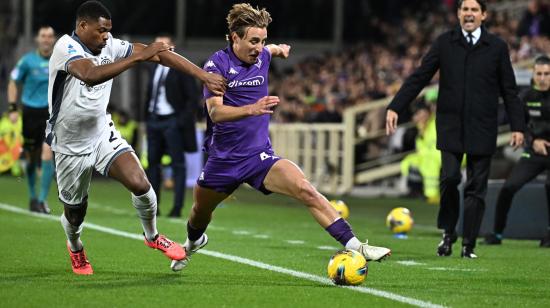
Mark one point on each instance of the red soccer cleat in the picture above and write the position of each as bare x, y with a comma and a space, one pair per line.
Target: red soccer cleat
170, 248
79, 262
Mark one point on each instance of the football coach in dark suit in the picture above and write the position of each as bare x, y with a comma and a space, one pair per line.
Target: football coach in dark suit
474, 70
171, 103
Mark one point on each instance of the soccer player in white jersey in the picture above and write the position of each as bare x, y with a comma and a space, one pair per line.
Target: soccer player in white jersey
81, 133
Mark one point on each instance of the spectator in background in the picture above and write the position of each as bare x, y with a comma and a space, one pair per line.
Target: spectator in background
535, 20
171, 103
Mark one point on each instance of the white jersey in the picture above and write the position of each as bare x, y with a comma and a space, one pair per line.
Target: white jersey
78, 113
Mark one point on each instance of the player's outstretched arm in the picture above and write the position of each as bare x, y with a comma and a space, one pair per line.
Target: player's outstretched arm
281, 50
92, 74
219, 112
214, 82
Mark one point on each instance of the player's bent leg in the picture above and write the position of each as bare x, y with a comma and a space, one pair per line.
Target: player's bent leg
206, 201
286, 178
127, 170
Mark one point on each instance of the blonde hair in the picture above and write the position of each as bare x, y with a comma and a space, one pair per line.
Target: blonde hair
243, 15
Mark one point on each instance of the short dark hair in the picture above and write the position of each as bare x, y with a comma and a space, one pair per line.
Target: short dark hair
92, 10
542, 60
482, 3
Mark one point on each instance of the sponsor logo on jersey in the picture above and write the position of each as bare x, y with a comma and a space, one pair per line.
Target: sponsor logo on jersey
70, 49
210, 63
249, 82
105, 60
233, 71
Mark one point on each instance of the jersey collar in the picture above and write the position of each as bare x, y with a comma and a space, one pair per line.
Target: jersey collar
76, 38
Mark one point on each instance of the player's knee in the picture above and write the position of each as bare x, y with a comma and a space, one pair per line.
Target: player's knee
75, 214
138, 184
307, 193
510, 188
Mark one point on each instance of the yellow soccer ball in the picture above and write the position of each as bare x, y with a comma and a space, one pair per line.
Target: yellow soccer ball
347, 267
400, 220
340, 207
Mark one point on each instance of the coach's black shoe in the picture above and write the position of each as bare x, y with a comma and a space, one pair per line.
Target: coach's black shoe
34, 206
468, 252
545, 242
493, 239
445, 247
174, 214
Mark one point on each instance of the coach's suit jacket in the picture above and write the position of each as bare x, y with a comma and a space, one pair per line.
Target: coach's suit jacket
471, 81
182, 94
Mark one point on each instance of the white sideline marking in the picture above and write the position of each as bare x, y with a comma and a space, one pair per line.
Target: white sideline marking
240, 232
457, 269
262, 236
295, 242
237, 259
409, 263
329, 248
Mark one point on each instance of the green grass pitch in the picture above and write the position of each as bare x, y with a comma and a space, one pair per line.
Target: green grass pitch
274, 231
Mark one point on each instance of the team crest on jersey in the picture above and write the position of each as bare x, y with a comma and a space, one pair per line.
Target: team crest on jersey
66, 195
259, 63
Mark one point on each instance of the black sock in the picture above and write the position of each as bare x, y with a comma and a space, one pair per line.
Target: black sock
194, 234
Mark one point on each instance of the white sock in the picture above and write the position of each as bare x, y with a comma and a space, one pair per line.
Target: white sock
73, 233
146, 206
353, 244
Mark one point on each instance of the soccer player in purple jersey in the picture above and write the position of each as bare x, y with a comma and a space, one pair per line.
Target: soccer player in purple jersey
237, 138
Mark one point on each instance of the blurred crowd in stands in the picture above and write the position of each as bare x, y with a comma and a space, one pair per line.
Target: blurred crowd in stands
319, 88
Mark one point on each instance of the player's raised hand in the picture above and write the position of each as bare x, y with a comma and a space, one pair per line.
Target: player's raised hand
540, 146
516, 140
263, 105
285, 50
215, 83
391, 122
153, 49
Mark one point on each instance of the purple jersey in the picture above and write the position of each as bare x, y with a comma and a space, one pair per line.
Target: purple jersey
246, 84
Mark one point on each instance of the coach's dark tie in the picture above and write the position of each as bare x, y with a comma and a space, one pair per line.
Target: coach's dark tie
470, 40
159, 84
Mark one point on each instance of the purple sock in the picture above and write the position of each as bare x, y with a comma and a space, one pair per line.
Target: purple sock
340, 230
194, 234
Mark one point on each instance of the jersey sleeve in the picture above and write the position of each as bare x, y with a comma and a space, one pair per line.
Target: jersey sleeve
64, 52
20, 70
213, 65
121, 48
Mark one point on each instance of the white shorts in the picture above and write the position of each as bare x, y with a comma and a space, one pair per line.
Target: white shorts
74, 172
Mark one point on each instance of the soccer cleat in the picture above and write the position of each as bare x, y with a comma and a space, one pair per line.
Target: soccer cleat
468, 252
190, 248
492, 239
170, 248
79, 262
374, 253
445, 247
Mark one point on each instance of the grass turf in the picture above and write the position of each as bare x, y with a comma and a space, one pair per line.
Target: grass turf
35, 267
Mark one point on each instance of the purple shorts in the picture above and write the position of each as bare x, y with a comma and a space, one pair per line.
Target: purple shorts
226, 175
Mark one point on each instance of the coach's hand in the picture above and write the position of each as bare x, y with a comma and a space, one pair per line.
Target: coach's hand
263, 105
516, 140
540, 146
153, 49
215, 83
391, 122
